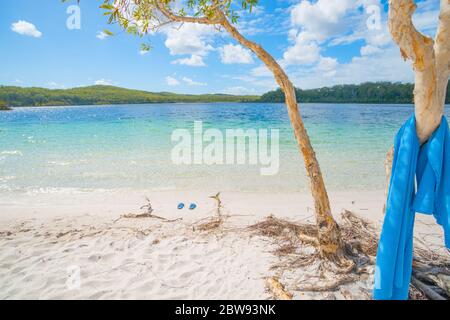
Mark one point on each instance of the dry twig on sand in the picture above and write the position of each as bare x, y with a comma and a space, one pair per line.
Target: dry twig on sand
147, 214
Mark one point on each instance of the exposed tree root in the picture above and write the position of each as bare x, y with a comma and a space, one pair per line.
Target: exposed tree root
332, 285
298, 247
277, 289
215, 222
427, 290
210, 225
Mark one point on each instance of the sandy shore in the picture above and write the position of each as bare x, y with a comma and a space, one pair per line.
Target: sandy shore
73, 245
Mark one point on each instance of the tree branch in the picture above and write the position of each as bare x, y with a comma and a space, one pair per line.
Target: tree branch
280, 76
163, 8
420, 50
442, 50
413, 44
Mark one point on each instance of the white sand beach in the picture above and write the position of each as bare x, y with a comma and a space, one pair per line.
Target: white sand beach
74, 246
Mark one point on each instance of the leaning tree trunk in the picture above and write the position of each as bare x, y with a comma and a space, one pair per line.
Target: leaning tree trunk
329, 237
431, 63
330, 244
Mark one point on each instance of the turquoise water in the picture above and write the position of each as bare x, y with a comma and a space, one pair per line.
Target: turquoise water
129, 147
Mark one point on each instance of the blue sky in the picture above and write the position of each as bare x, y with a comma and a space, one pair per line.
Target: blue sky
320, 43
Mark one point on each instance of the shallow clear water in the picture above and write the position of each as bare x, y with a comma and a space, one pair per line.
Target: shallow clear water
129, 146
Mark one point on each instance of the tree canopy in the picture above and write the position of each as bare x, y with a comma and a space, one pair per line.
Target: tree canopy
4, 106
141, 17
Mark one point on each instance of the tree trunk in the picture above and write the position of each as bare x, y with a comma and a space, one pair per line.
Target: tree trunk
329, 236
431, 63
330, 244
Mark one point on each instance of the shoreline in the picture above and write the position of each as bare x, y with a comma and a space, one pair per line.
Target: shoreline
110, 203
215, 102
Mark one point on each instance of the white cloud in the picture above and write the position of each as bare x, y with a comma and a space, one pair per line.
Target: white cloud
191, 82
143, 52
312, 23
327, 64
321, 19
190, 39
316, 23
193, 61
386, 65
303, 51
239, 90
55, 85
369, 50
261, 71
103, 82
171, 81
260, 80
26, 28
426, 21
230, 54
101, 35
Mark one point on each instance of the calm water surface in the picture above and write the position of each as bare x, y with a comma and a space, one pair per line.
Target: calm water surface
129, 147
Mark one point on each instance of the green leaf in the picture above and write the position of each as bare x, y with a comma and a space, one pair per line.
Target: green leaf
107, 32
107, 6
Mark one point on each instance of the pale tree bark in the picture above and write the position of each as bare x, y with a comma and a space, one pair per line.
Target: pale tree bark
328, 230
431, 63
330, 243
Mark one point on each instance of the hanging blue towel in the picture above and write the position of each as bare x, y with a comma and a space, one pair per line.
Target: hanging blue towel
420, 182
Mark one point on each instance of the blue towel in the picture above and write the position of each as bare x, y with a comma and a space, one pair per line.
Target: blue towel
420, 182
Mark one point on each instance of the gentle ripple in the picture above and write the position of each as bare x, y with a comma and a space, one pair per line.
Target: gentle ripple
48, 149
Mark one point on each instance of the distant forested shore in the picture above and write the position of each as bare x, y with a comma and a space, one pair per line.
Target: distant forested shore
103, 95
377, 92
370, 92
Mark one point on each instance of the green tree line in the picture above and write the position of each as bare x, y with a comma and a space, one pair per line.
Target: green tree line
379, 92
101, 95
4, 106
370, 92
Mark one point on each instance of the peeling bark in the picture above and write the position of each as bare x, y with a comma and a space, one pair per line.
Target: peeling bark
431, 63
430, 60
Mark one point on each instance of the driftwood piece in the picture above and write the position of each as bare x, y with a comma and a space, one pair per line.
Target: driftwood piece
277, 289
146, 215
427, 290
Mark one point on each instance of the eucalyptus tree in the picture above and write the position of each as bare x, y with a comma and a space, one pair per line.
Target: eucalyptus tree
431, 64
141, 17
430, 58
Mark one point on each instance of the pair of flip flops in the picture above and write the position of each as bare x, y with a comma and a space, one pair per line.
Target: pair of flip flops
191, 207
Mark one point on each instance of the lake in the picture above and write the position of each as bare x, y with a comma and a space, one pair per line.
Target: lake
58, 149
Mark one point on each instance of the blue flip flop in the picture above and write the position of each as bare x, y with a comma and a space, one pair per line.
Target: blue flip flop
192, 206
180, 206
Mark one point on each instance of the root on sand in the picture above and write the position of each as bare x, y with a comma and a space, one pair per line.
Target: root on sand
147, 214
275, 287
297, 247
212, 223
